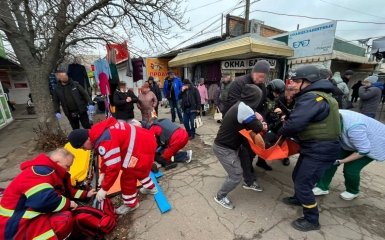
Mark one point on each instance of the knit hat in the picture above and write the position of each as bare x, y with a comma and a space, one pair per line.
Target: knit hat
372, 79
262, 66
348, 72
151, 78
78, 137
251, 95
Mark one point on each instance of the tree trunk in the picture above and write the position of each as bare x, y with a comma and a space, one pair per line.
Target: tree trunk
38, 81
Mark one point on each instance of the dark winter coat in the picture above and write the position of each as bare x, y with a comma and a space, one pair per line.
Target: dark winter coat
235, 93
156, 90
355, 89
308, 110
124, 110
370, 98
191, 99
80, 96
337, 94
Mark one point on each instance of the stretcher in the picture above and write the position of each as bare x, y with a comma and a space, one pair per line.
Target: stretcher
279, 151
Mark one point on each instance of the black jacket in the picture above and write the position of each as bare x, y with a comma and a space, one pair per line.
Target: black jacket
307, 110
80, 96
337, 94
124, 110
191, 99
155, 89
236, 90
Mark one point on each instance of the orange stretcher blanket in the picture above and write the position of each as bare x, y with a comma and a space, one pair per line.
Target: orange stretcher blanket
276, 152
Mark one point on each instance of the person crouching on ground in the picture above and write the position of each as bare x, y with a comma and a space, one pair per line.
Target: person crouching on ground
121, 146
191, 104
228, 140
36, 204
124, 100
171, 139
362, 141
147, 102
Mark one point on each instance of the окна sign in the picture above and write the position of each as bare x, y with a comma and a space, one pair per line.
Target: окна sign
245, 64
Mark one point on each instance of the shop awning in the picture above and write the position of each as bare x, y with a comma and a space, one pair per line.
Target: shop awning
336, 55
233, 48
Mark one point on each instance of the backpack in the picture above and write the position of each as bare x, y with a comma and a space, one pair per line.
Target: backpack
94, 222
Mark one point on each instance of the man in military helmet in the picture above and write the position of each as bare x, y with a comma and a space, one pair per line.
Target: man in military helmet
315, 122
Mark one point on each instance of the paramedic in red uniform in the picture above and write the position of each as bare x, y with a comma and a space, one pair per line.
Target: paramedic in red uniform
121, 146
35, 203
171, 139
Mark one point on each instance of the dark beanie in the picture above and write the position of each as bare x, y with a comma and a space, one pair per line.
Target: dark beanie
251, 95
78, 137
348, 72
262, 66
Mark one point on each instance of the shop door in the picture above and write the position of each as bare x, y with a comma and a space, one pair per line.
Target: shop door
5, 113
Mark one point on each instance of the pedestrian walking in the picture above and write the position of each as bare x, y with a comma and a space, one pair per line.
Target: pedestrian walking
154, 87
171, 90
73, 99
124, 100
147, 102
203, 95
370, 97
191, 104
315, 121
355, 89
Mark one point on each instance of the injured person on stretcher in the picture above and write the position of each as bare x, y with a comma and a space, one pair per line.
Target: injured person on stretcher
37, 204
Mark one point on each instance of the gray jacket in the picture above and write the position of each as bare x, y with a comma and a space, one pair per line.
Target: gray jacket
370, 98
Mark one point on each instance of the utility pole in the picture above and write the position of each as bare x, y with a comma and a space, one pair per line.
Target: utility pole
247, 14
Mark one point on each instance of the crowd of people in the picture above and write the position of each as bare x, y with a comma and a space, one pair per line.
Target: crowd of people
310, 108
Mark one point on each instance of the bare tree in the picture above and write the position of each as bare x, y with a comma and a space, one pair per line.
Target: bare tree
41, 32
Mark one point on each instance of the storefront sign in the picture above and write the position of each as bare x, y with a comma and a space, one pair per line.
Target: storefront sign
245, 64
158, 68
312, 41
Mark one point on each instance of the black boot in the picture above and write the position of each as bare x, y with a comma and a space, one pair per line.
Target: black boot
286, 162
303, 225
262, 164
167, 165
291, 201
154, 168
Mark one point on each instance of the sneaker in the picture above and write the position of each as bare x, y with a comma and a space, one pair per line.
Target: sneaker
254, 187
124, 209
348, 196
189, 156
303, 225
224, 202
146, 191
319, 192
291, 201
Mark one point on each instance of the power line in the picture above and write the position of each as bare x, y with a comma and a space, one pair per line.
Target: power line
318, 18
205, 5
351, 9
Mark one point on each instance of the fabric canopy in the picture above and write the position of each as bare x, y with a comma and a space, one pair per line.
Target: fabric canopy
234, 47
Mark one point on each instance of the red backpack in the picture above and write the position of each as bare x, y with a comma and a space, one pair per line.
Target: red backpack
94, 222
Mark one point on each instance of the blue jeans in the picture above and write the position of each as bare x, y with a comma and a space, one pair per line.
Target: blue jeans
174, 105
188, 121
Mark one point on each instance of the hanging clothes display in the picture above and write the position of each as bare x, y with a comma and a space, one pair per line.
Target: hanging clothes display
138, 71
78, 73
130, 69
102, 66
104, 85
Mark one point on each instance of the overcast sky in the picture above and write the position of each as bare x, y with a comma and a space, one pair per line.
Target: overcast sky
358, 10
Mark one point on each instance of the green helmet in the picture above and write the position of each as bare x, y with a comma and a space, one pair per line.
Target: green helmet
277, 85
